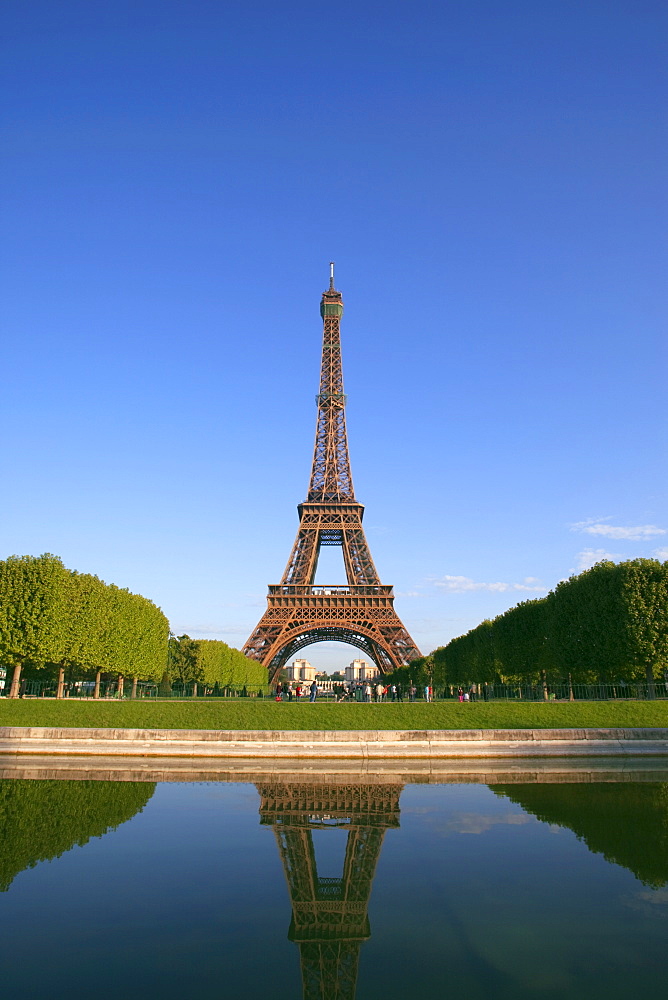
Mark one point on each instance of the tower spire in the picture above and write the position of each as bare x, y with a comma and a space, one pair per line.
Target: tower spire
331, 478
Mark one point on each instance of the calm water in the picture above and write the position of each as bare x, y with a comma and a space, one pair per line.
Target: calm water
336, 889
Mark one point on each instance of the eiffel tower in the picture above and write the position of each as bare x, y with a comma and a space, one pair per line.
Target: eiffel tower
360, 613
329, 915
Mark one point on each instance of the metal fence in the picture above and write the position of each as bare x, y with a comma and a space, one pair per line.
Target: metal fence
48, 688
617, 691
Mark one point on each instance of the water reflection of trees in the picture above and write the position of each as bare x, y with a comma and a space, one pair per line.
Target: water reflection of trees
329, 914
40, 820
625, 822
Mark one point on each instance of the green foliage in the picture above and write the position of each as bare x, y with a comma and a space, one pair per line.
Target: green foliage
165, 686
608, 623
419, 672
211, 662
265, 713
183, 661
52, 615
33, 608
645, 592
521, 640
228, 667
627, 823
41, 820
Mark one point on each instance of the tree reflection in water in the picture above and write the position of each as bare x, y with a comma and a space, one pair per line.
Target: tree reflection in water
329, 915
40, 820
626, 822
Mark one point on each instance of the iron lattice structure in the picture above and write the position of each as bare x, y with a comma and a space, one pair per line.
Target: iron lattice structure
360, 613
329, 915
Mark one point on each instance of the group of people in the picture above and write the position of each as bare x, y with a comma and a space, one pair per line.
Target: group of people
364, 691
288, 691
469, 695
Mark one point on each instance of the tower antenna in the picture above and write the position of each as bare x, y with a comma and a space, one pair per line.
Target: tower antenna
331, 275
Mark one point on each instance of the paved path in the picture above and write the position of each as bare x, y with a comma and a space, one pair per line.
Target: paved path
363, 745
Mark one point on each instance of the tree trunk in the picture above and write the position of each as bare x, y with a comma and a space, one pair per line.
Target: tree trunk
16, 680
649, 673
61, 682
134, 687
571, 696
544, 682
195, 689
120, 685
96, 693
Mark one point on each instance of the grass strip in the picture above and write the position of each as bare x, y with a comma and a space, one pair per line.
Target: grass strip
251, 714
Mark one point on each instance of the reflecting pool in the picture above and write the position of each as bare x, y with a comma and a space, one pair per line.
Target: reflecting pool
335, 886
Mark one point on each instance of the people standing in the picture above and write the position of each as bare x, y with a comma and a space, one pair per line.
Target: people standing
380, 691
426, 692
400, 694
460, 694
314, 691
367, 692
393, 691
290, 691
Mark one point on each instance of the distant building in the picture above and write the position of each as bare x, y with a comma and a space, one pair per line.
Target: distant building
360, 670
300, 670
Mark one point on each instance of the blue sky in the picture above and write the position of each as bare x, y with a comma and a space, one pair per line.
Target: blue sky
491, 181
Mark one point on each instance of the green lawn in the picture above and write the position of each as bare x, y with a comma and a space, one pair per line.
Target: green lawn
251, 714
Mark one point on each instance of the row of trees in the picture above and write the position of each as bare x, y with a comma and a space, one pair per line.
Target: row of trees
212, 664
607, 624
40, 820
51, 616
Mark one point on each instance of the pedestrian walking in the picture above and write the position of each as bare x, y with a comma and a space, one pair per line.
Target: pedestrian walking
290, 691
400, 694
393, 692
314, 691
426, 692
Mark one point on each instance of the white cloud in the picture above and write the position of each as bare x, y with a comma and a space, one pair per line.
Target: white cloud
647, 900
462, 584
597, 526
193, 630
661, 554
477, 823
589, 557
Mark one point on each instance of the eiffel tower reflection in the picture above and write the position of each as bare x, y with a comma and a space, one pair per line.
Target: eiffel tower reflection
329, 915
